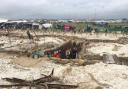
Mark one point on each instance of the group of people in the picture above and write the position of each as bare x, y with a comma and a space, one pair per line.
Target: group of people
64, 54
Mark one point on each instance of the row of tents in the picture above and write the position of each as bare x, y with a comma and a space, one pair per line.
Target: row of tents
118, 29
62, 27
24, 25
29, 24
32, 25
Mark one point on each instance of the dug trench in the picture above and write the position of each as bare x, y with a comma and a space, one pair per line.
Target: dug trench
83, 57
81, 44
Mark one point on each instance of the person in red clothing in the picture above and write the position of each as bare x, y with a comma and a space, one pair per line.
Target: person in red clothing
54, 55
57, 54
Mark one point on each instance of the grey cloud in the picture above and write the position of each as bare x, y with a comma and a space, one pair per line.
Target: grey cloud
64, 9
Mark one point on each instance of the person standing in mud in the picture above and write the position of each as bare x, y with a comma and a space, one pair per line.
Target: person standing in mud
73, 53
68, 54
49, 54
63, 53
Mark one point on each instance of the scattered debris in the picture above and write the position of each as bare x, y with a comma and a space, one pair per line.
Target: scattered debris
109, 59
45, 82
123, 40
73, 71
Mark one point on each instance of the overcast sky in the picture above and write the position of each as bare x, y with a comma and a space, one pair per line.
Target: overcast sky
64, 9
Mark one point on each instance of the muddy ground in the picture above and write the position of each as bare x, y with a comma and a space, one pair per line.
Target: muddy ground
88, 70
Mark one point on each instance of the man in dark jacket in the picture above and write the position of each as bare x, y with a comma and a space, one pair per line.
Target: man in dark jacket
73, 53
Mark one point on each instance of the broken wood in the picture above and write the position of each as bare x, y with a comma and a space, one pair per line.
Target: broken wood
49, 86
15, 80
45, 82
62, 86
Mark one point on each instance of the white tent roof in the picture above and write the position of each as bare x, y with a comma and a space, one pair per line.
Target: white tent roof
3, 20
47, 25
19, 21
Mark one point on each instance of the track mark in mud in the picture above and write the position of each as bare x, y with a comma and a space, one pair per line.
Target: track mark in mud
99, 83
